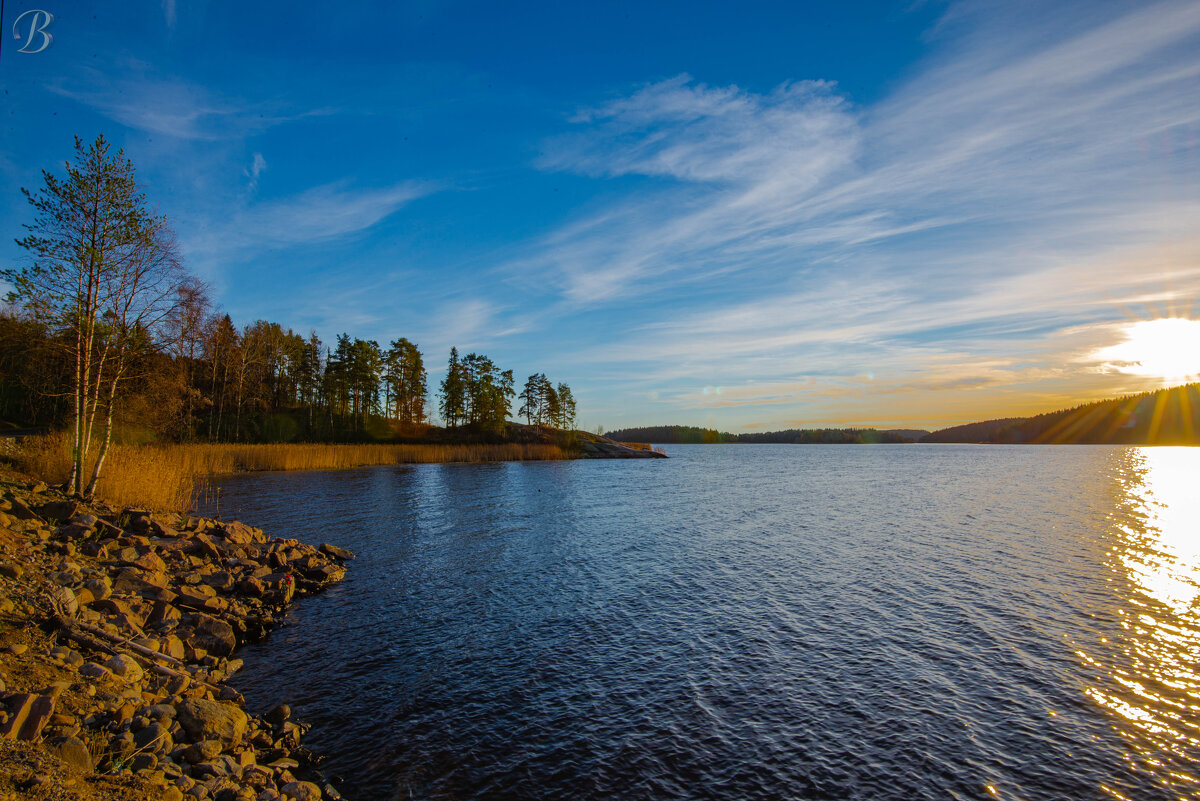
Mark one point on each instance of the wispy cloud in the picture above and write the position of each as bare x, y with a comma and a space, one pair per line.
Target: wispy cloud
319, 214
139, 98
1041, 179
254, 170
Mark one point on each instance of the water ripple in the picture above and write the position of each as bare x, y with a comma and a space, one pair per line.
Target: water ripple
750, 622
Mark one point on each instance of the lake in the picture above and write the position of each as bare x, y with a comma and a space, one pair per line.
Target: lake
749, 622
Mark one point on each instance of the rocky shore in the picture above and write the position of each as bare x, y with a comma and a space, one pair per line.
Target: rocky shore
118, 634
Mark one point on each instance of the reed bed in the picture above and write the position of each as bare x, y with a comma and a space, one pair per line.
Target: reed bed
169, 476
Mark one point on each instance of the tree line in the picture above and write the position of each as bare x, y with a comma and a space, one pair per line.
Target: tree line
105, 331
694, 435
1164, 417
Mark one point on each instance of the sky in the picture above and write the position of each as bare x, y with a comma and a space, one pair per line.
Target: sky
748, 217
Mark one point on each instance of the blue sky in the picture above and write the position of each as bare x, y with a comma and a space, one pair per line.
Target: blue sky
902, 214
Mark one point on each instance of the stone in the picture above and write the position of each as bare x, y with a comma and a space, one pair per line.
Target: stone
212, 720
21, 511
64, 599
151, 562
73, 751
126, 667
252, 587
155, 738
163, 612
132, 579
27, 716
194, 598
10, 570
221, 580
214, 635
278, 714
238, 533
173, 647
143, 762
90, 670
336, 552
282, 586
100, 588
302, 791
203, 751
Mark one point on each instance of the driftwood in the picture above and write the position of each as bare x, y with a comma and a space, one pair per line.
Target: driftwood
124, 642
72, 632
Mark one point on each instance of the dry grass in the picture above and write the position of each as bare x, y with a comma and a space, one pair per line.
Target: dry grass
167, 476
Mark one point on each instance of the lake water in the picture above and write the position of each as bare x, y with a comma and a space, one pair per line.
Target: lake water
749, 622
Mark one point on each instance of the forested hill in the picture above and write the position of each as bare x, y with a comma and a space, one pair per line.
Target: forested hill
1166, 417
972, 432
689, 435
670, 435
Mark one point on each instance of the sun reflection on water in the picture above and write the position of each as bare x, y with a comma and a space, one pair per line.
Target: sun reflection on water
1155, 683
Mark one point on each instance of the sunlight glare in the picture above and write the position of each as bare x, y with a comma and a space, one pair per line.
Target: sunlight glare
1168, 348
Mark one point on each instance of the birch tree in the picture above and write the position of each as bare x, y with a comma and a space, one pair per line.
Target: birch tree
98, 261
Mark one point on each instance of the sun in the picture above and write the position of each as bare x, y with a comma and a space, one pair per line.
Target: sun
1168, 348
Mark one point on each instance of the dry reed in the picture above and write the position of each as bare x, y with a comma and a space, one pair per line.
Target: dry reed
167, 476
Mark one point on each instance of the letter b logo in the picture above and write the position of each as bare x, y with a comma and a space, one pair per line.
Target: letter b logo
36, 21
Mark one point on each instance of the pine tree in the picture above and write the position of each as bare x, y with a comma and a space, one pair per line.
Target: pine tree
453, 397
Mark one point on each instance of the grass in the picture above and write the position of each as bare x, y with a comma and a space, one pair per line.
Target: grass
169, 476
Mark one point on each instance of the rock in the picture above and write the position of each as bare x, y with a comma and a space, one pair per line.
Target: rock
90, 670
10, 570
27, 716
214, 635
212, 720
195, 598
203, 751
133, 580
278, 715
238, 533
64, 599
73, 531
151, 562
17, 648
155, 738
143, 762
282, 586
160, 529
221, 580
336, 552
57, 511
22, 512
172, 646
252, 587
87, 521
100, 588
163, 612
126, 667
302, 791
72, 751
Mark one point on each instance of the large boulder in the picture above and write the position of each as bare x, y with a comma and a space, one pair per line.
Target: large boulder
212, 720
